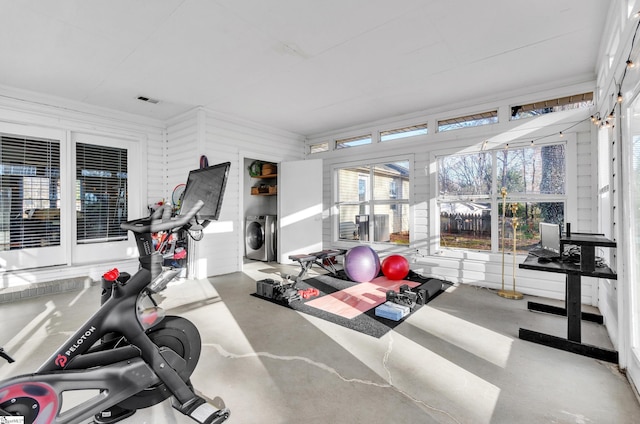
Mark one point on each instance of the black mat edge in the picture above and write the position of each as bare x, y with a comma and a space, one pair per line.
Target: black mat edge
367, 322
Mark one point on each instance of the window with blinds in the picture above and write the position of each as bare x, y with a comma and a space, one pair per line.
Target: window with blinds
29, 192
101, 193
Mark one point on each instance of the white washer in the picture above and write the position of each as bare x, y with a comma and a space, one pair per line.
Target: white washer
260, 237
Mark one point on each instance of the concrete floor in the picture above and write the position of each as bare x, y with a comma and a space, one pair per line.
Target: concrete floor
457, 360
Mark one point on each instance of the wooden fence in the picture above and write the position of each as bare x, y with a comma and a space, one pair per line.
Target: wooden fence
456, 223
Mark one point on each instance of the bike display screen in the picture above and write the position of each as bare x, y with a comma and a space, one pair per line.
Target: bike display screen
206, 184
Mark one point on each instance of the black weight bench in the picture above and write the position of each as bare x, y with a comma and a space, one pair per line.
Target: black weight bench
324, 259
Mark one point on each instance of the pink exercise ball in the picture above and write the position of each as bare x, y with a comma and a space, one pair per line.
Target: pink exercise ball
395, 267
361, 264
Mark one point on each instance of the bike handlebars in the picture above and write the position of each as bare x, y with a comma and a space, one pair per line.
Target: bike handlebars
161, 220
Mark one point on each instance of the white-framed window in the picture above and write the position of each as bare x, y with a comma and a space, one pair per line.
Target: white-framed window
319, 147
468, 121
529, 110
355, 141
472, 209
404, 132
101, 193
372, 201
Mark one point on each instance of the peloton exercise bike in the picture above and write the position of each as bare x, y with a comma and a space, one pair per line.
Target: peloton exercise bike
129, 355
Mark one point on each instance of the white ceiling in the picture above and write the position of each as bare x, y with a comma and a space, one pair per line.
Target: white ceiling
305, 66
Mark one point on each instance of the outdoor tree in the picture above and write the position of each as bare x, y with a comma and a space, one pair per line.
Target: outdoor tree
552, 181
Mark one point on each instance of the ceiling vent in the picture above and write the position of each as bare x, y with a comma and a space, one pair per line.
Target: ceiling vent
148, 100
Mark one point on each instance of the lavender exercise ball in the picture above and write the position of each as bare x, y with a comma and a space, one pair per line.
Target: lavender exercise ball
361, 264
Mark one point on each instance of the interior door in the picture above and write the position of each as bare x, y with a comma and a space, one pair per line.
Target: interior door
299, 208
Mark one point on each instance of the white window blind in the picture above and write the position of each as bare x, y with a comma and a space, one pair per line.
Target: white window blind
101, 193
29, 192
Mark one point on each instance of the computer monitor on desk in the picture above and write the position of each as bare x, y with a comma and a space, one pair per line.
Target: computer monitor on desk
550, 237
549, 242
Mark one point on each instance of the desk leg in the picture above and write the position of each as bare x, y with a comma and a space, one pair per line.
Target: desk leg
541, 307
574, 309
569, 346
587, 258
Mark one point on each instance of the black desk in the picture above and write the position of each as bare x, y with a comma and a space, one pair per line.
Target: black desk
572, 310
587, 244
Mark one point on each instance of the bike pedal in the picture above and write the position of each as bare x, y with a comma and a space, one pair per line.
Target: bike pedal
113, 415
205, 411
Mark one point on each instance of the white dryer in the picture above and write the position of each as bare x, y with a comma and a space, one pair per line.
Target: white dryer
260, 237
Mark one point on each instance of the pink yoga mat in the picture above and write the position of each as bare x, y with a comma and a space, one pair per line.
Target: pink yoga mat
353, 301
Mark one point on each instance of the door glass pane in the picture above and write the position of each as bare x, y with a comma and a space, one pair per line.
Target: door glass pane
29, 193
101, 181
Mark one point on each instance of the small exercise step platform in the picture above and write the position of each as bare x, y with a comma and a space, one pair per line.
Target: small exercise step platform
323, 259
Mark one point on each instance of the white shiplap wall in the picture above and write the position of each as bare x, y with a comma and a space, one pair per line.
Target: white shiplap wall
479, 268
180, 152
222, 139
586, 172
